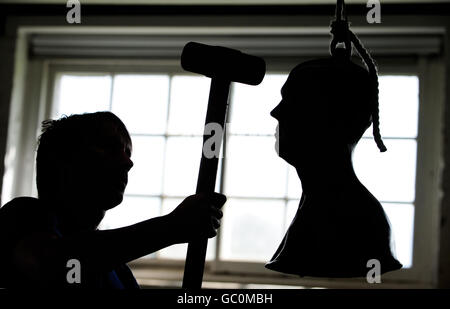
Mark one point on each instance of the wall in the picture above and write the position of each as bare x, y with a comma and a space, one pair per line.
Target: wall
444, 256
7, 48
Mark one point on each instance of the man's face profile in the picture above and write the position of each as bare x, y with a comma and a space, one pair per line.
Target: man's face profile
301, 120
101, 168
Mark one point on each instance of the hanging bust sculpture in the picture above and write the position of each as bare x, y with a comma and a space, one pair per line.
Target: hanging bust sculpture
327, 105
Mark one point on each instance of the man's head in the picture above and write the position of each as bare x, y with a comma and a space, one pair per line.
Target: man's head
84, 159
326, 106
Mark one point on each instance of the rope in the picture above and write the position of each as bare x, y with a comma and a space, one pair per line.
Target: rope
373, 73
340, 28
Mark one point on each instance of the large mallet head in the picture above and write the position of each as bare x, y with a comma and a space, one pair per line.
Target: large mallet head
224, 63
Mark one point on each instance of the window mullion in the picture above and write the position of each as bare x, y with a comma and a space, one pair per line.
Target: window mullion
222, 167
111, 91
162, 196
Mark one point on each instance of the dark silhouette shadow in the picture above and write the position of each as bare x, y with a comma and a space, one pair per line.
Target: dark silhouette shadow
339, 226
82, 171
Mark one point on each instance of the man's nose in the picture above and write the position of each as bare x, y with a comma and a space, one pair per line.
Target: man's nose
275, 113
129, 164
126, 162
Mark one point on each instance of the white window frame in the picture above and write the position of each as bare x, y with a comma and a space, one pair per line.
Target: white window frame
39, 84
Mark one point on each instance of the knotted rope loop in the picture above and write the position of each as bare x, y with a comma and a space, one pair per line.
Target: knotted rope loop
341, 34
340, 29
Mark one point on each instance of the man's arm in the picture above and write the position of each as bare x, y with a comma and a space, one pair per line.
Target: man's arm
197, 216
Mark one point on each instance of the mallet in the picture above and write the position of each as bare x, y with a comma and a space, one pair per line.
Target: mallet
223, 65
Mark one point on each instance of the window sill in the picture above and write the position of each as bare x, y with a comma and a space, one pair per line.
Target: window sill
157, 275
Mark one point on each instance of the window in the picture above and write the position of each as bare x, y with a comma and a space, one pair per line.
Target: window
165, 113
138, 77
391, 175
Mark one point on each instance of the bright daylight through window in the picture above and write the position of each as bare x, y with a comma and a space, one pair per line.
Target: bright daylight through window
164, 114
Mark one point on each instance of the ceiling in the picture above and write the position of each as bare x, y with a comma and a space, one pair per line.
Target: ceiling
214, 2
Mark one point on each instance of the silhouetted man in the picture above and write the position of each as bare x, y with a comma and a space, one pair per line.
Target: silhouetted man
327, 105
82, 169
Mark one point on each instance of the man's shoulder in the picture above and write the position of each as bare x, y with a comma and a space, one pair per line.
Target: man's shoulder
20, 219
22, 213
20, 206
20, 203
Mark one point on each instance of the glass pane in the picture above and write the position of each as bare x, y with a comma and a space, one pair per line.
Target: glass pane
183, 156
141, 102
251, 105
188, 103
131, 211
401, 217
179, 251
252, 229
147, 173
292, 207
294, 184
253, 168
399, 106
169, 204
79, 93
389, 176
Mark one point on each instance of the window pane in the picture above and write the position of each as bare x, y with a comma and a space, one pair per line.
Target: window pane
253, 168
252, 229
294, 184
141, 102
169, 204
79, 93
179, 251
148, 156
401, 217
389, 176
292, 207
399, 106
131, 211
188, 103
251, 105
183, 156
